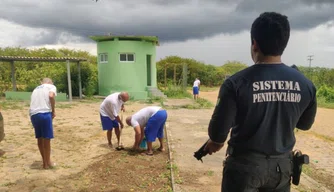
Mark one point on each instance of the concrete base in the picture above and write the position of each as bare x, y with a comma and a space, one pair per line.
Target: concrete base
134, 95
137, 95
15, 95
155, 92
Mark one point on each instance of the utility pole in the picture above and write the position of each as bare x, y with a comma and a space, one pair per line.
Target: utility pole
310, 62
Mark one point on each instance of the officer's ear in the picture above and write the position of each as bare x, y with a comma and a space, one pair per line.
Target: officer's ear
255, 47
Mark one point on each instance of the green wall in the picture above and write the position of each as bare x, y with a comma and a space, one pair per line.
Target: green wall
26, 96
126, 76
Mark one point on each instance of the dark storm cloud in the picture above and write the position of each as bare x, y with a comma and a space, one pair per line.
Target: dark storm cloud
170, 20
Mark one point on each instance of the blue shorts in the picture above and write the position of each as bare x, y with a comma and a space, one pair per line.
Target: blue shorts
195, 90
107, 123
42, 123
155, 126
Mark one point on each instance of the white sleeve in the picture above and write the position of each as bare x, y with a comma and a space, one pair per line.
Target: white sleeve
134, 123
53, 89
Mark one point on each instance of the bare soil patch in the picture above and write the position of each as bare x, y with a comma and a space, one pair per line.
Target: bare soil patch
188, 132
84, 161
121, 171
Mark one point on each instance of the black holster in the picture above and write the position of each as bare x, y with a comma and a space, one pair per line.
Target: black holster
298, 160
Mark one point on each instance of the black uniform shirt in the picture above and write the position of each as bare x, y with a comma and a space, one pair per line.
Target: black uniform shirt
263, 104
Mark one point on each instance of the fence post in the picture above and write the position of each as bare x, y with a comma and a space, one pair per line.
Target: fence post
174, 74
184, 77
165, 80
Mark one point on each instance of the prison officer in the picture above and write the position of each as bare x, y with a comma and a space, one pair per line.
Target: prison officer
262, 105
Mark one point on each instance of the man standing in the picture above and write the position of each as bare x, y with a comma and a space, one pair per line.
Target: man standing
262, 104
196, 85
149, 121
109, 110
42, 111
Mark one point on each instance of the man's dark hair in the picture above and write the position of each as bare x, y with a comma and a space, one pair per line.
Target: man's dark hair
271, 31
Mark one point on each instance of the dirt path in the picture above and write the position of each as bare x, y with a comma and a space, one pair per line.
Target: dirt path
188, 131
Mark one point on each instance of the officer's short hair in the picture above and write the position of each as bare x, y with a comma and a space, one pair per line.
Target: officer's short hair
271, 31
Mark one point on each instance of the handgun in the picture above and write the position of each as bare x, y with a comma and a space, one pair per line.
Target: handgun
201, 153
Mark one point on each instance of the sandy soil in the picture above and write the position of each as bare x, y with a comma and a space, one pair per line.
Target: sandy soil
85, 163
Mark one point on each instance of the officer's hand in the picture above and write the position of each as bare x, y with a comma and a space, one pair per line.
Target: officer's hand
212, 147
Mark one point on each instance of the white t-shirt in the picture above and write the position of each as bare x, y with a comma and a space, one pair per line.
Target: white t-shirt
40, 102
111, 106
196, 83
141, 117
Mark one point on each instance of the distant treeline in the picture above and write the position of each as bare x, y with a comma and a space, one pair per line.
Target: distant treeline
29, 74
169, 71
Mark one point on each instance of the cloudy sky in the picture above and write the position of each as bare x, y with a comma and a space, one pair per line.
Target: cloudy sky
212, 31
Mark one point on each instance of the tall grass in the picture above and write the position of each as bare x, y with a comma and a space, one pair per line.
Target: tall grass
205, 88
325, 97
175, 92
321, 102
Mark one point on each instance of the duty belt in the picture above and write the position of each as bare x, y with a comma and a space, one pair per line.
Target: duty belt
231, 151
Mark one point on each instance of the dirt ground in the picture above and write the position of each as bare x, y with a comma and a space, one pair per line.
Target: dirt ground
85, 163
196, 176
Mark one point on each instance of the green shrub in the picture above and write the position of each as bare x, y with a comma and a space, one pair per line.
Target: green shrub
326, 93
204, 103
176, 92
89, 80
30, 87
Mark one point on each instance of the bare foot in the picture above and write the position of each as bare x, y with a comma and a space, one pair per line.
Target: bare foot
110, 145
149, 153
121, 145
135, 148
49, 166
161, 149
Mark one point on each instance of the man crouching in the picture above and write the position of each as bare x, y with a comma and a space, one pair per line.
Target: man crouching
149, 121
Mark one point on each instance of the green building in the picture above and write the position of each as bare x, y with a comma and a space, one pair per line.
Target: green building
127, 63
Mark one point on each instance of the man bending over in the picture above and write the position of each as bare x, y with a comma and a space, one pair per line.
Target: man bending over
149, 121
109, 110
42, 111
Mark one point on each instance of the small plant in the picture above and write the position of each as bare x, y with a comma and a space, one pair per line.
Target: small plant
153, 99
210, 173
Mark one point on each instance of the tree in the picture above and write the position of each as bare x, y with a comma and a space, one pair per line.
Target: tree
29, 74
